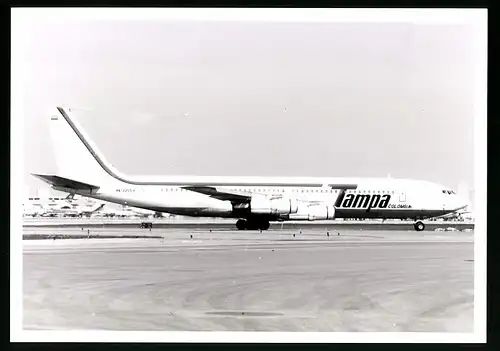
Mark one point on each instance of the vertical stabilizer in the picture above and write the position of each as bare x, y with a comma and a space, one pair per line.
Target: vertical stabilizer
77, 157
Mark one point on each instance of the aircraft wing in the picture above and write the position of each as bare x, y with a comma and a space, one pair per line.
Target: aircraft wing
233, 196
244, 196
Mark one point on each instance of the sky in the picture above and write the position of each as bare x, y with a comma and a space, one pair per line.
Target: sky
257, 98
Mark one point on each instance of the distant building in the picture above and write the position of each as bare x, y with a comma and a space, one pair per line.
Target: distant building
42, 204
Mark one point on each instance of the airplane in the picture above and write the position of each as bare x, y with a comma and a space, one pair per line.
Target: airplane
114, 213
68, 211
139, 212
253, 201
87, 212
126, 212
458, 215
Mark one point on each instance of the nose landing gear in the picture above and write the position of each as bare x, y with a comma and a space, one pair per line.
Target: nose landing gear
419, 226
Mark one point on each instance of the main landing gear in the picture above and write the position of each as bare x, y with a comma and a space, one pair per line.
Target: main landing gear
243, 224
419, 226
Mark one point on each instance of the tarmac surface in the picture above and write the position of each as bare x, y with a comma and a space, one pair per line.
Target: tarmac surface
225, 280
221, 224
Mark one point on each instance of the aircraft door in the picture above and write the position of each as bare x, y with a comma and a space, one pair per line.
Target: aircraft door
402, 196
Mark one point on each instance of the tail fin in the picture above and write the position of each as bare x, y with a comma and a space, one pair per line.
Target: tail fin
77, 157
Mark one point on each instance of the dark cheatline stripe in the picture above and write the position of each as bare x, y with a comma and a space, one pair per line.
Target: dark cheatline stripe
343, 186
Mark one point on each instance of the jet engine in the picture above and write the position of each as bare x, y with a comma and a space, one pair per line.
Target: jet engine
318, 212
277, 206
314, 212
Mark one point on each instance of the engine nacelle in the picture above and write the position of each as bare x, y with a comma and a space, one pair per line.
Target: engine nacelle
279, 206
320, 212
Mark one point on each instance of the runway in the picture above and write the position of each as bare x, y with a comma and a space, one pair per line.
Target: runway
225, 280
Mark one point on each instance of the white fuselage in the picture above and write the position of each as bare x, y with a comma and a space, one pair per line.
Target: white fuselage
373, 198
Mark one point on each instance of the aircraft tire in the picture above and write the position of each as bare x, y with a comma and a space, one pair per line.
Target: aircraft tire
265, 225
419, 226
241, 224
258, 225
251, 225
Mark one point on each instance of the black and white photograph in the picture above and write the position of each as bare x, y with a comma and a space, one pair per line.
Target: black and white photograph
293, 175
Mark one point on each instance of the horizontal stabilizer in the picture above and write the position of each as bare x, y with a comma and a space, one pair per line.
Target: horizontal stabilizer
65, 182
